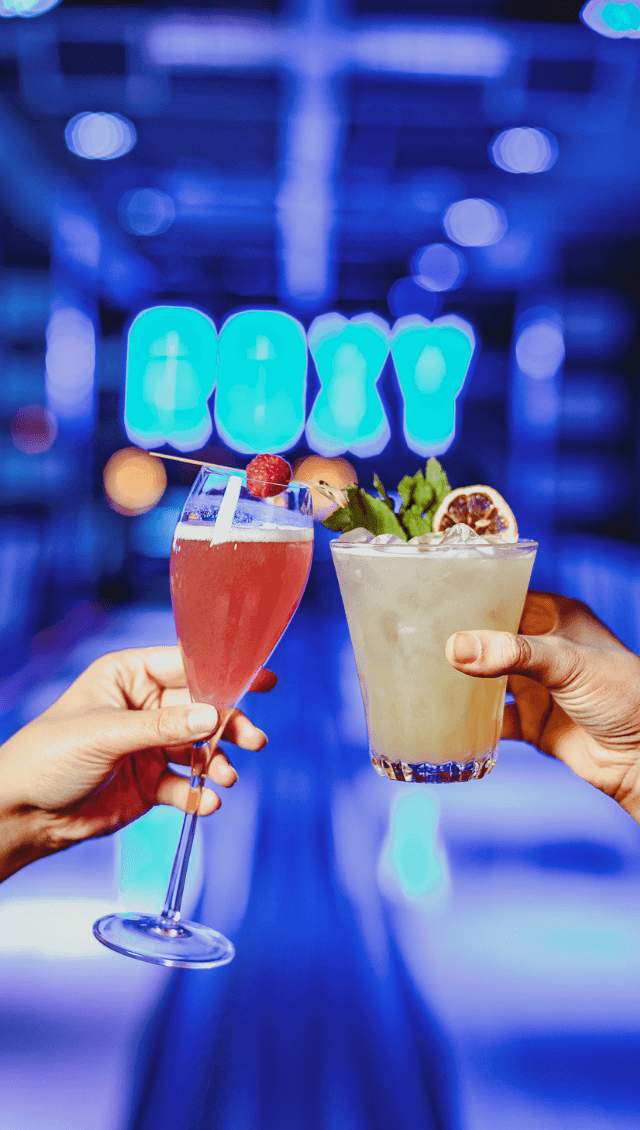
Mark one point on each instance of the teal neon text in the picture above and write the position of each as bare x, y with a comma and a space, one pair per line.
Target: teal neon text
258, 364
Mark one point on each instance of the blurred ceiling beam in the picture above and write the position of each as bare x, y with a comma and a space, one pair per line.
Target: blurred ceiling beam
35, 193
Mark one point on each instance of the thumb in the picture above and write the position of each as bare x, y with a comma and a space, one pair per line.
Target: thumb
550, 660
116, 733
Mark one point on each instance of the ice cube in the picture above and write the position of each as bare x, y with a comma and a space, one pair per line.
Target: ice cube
426, 541
461, 534
359, 536
383, 540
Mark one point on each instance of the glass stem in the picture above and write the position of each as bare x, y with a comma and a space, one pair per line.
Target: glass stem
175, 890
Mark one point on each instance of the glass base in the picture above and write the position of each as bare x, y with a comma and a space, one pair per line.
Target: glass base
433, 774
161, 941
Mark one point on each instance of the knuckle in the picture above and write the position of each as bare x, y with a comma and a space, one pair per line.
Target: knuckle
167, 728
520, 651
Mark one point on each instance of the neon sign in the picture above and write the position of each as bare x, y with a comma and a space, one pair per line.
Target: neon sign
257, 365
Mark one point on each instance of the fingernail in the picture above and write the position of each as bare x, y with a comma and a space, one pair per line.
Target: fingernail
465, 647
202, 719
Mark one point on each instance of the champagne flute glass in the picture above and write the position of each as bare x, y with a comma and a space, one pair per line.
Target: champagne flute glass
239, 567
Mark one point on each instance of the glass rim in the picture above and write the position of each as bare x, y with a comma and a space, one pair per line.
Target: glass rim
239, 473
522, 545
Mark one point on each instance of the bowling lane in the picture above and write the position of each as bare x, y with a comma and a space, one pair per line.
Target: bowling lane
463, 956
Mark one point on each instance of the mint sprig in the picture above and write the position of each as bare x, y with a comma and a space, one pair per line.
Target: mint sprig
420, 496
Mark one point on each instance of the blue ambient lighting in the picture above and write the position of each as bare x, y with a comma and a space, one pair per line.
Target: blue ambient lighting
474, 222
171, 357
262, 381
100, 137
348, 414
26, 8
438, 267
70, 366
617, 19
147, 211
539, 345
524, 150
432, 360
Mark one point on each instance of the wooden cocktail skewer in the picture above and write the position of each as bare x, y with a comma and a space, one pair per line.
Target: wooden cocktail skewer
333, 494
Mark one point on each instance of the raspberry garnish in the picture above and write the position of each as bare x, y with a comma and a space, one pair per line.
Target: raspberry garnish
268, 475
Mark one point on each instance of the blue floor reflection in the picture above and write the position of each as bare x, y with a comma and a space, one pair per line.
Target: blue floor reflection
465, 956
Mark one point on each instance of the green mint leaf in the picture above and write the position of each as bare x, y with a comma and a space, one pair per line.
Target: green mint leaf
364, 510
437, 478
414, 522
405, 489
382, 491
421, 495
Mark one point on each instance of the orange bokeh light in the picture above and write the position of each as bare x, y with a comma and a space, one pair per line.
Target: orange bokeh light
134, 482
337, 472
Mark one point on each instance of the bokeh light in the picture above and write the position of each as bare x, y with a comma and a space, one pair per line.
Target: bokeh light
540, 345
438, 267
100, 137
474, 222
70, 363
26, 8
616, 19
33, 429
147, 211
337, 472
524, 149
134, 482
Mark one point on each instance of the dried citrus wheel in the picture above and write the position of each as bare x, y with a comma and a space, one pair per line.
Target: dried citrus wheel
480, 507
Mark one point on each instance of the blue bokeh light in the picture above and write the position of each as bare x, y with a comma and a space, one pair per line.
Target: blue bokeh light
147, 211
540, 344
100, 136
474, 222
26, 9
438, 267
524, 149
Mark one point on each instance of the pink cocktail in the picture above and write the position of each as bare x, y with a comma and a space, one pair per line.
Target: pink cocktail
232, 601
240, 561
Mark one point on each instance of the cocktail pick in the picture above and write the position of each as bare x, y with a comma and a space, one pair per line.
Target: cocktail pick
334, 494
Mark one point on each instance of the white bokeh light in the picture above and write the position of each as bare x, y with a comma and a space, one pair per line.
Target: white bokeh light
524, 149
474, 222
438, 267
100, 136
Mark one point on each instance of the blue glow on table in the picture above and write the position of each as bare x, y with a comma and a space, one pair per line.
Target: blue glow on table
171, 359
348, 413
432, 361
413, 851
524, 149
262, 381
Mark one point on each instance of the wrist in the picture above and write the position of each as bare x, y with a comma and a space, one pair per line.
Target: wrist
22, 840
628, 794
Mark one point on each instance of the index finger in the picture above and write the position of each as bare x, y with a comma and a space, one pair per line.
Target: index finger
162, 664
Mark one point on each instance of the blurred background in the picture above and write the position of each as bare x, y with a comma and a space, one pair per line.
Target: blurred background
464, 957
